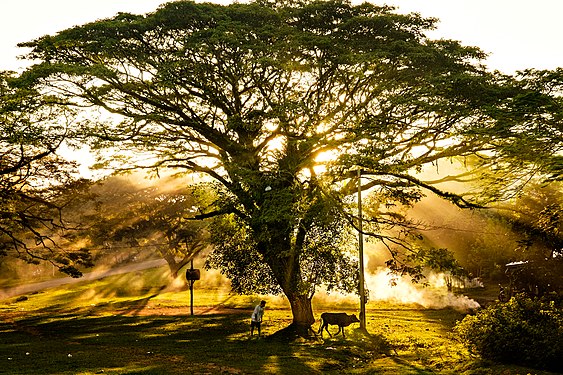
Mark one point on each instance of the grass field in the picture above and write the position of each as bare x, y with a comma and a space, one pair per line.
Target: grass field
130, 324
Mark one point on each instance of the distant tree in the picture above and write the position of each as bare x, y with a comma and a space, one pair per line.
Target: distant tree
536, 215
148, 217
282, 104
35, 182
490, 252
444, 261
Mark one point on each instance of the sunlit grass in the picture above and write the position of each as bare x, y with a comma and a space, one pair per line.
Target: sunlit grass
136, 324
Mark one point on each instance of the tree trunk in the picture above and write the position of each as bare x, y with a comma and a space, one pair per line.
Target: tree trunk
287, 271
303, 318
301, 307
302, 310
172, 265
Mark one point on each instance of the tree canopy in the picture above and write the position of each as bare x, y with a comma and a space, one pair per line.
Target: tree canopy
281, 104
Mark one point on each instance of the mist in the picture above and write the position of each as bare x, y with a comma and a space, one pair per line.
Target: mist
382, 286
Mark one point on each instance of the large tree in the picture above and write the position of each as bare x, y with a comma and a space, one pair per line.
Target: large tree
281, 104
35, 182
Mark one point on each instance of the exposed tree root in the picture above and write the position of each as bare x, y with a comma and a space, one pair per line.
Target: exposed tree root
294, 332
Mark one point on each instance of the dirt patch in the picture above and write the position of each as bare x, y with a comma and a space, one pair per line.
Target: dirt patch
184, 310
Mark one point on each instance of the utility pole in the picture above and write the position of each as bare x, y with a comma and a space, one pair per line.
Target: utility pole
361, 251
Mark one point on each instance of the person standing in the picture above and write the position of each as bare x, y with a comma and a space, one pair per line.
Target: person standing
256, 319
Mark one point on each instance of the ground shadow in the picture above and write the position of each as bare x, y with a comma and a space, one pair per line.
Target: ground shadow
172, 344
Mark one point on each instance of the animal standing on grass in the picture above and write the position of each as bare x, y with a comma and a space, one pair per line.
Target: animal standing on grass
340, 319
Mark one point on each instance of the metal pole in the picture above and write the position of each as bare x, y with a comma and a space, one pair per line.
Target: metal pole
192, 290
361, 251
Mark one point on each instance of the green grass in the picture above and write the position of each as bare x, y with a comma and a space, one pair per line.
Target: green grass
130, 324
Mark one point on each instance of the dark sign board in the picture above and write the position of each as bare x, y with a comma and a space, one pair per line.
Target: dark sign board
192, 274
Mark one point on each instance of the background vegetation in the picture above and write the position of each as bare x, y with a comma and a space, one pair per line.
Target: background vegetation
524, 331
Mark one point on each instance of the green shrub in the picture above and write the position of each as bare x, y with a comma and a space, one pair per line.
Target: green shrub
523, 331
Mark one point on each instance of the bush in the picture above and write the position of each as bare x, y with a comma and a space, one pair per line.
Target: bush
523, 331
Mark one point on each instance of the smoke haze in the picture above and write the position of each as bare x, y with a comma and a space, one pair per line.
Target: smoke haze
386, 287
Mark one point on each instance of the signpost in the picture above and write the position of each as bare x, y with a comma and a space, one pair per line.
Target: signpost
191, 276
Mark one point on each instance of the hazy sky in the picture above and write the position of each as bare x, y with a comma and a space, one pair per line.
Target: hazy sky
516, 33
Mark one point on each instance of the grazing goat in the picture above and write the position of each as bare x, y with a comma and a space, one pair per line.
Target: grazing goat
340, 319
